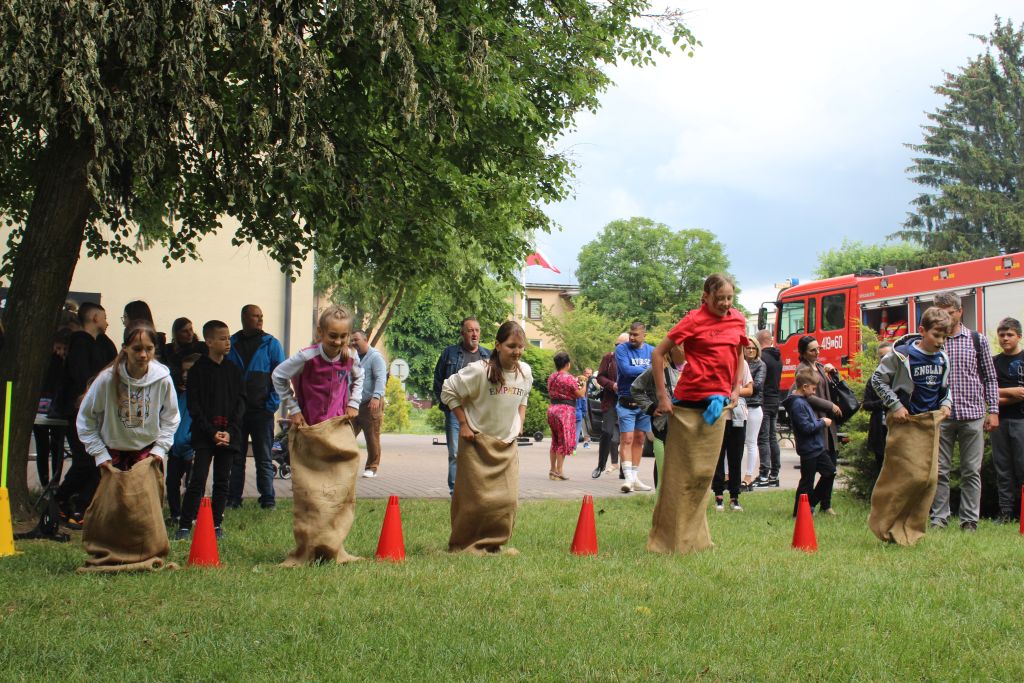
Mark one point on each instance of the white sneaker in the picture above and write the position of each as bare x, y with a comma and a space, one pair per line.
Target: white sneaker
640, 486
627, 486
369, 474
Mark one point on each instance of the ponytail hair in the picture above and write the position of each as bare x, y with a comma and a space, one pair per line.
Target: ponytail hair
715, 282
136, 329
495, 375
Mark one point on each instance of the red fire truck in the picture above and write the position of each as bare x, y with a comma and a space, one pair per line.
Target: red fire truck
891, 304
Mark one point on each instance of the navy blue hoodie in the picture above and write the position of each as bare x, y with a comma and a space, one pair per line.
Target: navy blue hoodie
808, 428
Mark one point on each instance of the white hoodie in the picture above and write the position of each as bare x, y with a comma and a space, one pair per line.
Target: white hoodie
149, 414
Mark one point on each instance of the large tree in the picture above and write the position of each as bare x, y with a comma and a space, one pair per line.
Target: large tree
853, 256
637, 269
972, 157
375, 131
582, 332
429, 321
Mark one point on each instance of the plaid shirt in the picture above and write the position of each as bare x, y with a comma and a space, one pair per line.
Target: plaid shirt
972, 382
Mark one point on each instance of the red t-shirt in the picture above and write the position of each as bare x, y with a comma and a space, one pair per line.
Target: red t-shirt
710, 343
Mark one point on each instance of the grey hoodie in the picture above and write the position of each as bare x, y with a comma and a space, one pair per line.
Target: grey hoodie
147, 415
893, 382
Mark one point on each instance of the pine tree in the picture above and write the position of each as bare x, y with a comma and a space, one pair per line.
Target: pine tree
973, 156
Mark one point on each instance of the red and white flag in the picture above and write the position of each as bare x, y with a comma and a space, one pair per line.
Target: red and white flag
537, 259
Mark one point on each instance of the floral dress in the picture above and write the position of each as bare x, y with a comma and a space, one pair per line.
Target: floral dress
562, 416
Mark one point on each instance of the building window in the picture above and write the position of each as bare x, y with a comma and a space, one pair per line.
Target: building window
533, 309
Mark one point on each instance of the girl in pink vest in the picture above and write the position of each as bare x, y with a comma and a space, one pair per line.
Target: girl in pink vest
327, 379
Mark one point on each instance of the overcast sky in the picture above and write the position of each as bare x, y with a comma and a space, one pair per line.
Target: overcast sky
782, 135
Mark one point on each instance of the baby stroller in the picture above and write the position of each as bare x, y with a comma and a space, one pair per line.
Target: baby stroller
279, 457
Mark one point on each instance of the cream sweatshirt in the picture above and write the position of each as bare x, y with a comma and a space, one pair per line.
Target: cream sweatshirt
490, 409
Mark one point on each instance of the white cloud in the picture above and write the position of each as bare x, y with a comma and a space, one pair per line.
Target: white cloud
782, 135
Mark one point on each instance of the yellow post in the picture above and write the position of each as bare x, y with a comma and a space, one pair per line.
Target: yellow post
6, 526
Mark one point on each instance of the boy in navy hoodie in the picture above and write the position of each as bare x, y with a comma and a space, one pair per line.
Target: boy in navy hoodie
808, 431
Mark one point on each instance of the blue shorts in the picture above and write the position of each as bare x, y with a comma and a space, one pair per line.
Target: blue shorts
632, 419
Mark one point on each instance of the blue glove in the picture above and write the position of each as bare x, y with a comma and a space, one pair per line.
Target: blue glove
714, 410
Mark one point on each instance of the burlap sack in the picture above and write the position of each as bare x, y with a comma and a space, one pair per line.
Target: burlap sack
486, 494
680, 523
124, 525
325, 462
906, 485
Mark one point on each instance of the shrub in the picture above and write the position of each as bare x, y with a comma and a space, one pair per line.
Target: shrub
536, 414
542, 363
435, 419
396, 409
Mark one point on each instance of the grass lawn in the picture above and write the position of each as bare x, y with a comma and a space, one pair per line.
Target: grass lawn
950, 608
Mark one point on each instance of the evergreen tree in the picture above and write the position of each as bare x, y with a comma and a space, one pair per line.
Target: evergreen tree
973, 156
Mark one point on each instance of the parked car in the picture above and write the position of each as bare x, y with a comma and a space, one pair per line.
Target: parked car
592, 416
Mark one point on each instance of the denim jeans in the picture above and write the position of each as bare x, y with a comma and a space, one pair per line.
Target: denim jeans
260, 428
451, 435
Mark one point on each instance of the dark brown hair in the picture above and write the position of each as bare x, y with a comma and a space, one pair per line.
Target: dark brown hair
495, 375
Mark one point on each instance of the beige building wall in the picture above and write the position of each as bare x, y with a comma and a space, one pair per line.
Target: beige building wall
215, 286
553, 299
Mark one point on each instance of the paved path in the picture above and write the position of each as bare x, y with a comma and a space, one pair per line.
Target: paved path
413, 467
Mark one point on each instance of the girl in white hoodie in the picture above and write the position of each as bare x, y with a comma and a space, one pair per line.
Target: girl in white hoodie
127, 423
130, 411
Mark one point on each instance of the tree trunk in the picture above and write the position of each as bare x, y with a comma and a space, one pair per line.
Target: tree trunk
379, 332
43, 267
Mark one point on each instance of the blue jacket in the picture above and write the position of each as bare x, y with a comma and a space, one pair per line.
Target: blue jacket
450, 362
182, 447
808, 428
260, 396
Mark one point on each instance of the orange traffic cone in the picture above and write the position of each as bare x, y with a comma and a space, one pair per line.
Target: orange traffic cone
1022, 510
803, 532
204, 541
391, 545
584, 541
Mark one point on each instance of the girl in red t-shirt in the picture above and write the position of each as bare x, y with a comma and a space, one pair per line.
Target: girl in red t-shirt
713, 338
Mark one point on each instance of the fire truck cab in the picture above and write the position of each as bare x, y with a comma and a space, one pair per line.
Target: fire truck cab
891, 304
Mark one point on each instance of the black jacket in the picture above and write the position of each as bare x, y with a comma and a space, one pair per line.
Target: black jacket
216, 402
772, 377
877, 429
173, 355
86, 357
